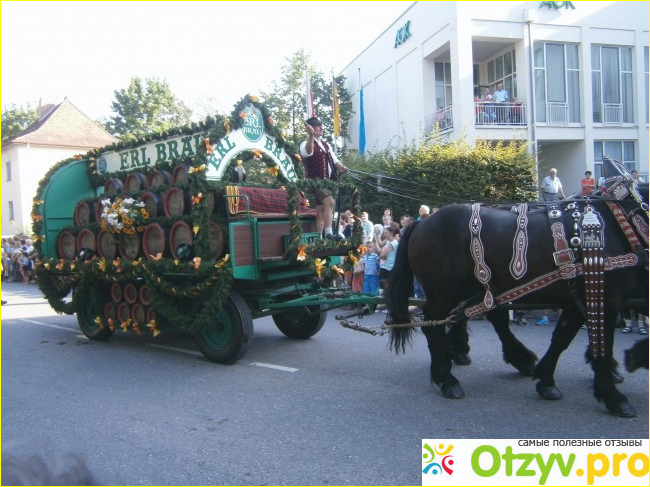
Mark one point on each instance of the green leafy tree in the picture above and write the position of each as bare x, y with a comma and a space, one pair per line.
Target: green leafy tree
144, 107
16, 119
286, 99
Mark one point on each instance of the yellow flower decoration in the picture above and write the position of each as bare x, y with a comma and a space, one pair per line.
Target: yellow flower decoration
254, 98
125, 325
200, 168
102, 264
111, 324
38, 202
136, 328
319, 263
73, 266
206, 141
338, 270
116, 262
226, 124
302, 255
223, 261
197, 199
362, 249
36, 217
144, 212
153, 326
176, 261
257, 154
137, 261
197, 262
353, 258
274, 171
98, 321
47, 266
196, 229
242, 115
297, 156
59, 266
158, 256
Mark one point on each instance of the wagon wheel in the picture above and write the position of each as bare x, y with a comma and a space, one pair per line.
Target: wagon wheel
227, 338
302, 322
86, 315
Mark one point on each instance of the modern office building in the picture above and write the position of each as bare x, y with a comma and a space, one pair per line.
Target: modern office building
575, 73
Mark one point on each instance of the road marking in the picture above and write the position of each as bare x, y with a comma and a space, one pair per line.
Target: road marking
74, 330
175, 349
276, 367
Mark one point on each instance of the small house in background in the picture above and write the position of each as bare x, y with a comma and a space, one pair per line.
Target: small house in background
60, 132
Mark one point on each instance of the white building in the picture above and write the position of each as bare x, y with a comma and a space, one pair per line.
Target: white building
580, 70
60, 132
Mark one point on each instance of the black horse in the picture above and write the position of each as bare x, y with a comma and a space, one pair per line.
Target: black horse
472, 259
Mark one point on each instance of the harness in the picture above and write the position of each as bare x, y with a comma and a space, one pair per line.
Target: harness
588, 240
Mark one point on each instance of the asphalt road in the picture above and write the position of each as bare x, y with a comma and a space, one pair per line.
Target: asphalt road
337, 409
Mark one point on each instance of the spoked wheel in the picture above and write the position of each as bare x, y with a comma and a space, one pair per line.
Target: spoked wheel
302, 322
86, 318
227, 338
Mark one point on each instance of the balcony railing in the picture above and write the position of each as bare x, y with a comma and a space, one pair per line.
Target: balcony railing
506, 113
442, 119
612, 114
557, 113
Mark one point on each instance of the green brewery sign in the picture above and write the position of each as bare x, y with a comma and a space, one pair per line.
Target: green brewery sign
249, 137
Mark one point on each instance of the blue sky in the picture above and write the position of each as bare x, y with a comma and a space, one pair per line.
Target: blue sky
211, 53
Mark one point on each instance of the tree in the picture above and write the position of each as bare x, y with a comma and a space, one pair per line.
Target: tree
286, 100
16, 119
144, 107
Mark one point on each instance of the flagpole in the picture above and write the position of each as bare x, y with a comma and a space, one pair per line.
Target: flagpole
336, 116
362, 122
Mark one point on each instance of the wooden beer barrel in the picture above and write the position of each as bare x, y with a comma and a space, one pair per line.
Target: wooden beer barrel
216, 240
154, 241
116, 292
174, 202
180, 233
106, 245
66, 245
139, 313
84, 212
129, 246
113, 186
86, 240
130, 293
135, 182
151, 203
110, 311
180, 174
123, 312
151, 314
158, 178
143, 294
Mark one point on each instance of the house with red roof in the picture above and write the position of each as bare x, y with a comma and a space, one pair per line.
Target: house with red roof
60, 132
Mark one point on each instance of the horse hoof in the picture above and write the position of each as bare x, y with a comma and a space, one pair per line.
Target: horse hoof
453, 392
551, 393
617, 377
461, 358
622, 409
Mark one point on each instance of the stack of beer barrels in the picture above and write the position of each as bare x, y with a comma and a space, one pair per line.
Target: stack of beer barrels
129, 300
165, 197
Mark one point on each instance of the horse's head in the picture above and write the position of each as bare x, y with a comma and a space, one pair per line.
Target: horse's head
620, 185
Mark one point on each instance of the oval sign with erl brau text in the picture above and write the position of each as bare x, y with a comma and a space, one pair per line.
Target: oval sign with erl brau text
253, 126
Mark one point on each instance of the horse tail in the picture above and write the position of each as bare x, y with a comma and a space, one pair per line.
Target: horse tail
400, 287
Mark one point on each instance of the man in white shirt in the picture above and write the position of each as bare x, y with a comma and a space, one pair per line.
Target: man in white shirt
551, 187
500, 95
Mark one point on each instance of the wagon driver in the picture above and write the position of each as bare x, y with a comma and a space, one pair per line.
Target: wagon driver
321, 163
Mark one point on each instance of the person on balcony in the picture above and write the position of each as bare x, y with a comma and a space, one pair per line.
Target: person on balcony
500, 95
516, 112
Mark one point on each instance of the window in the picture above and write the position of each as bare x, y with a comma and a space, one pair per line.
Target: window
621, 150
8, 170
557, 83
503, 70
443, 85
11, 210
612, 83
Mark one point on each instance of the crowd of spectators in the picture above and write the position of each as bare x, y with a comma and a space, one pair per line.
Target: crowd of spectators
18, 259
